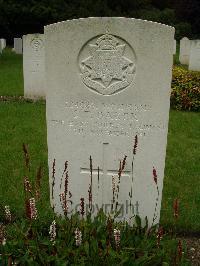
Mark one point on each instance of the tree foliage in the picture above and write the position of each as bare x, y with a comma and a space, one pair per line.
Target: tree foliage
18, 17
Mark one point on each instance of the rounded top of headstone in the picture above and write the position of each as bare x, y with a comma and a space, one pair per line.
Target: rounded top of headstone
32, 34
94, 20
195, 43
185, 39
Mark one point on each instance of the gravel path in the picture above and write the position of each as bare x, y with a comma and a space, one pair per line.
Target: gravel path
193, 250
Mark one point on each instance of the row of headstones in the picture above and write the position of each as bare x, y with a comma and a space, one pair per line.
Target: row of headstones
107, 100
190, 53
33, 61
32, 48
18, 47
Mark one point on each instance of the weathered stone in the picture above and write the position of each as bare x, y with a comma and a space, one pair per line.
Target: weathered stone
108, 80
3, 43
174, 52
184, 55
194, 62
18, 45
33, 66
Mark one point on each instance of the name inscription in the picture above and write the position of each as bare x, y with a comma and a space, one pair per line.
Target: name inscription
87, 118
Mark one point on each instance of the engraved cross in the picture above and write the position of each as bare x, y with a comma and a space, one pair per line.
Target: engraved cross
104, 170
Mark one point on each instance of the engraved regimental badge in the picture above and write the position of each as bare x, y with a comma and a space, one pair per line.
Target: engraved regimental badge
37, 44
107, 64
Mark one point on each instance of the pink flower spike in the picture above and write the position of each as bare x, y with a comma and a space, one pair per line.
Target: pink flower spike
8, 213
82, 207
78, 237
135, 144
155, 177
52, 232
31, 210
176, 208
117, 237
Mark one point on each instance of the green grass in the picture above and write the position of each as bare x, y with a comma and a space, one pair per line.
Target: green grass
24, 122
182, 173
11, 74
20, 123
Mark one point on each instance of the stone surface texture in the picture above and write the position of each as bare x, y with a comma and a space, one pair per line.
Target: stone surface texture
3, 43
194, 62
184, 54
18, 45
174, 52
33, 66
108, 80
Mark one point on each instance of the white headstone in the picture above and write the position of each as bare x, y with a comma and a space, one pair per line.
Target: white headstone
3, 43
1, 47
18, 45
174, 52
108, 80
184, 55
33, 66
194, 63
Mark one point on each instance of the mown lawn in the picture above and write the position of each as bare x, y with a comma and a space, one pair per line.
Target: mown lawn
24, 122
11, 74
182, 172
20, 123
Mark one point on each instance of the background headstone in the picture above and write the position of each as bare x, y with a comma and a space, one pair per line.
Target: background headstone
33, 66
184, 54
194, 62
3, 43
174, 52
1, 47
108, 80
18, 45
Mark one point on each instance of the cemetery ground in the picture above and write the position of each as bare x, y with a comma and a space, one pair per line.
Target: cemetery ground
23, 121
11, 73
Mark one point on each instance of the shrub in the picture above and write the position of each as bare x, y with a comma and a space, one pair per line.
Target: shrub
185, 93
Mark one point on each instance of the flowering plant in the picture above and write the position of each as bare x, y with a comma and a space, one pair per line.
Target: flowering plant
42, 238
185, 94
